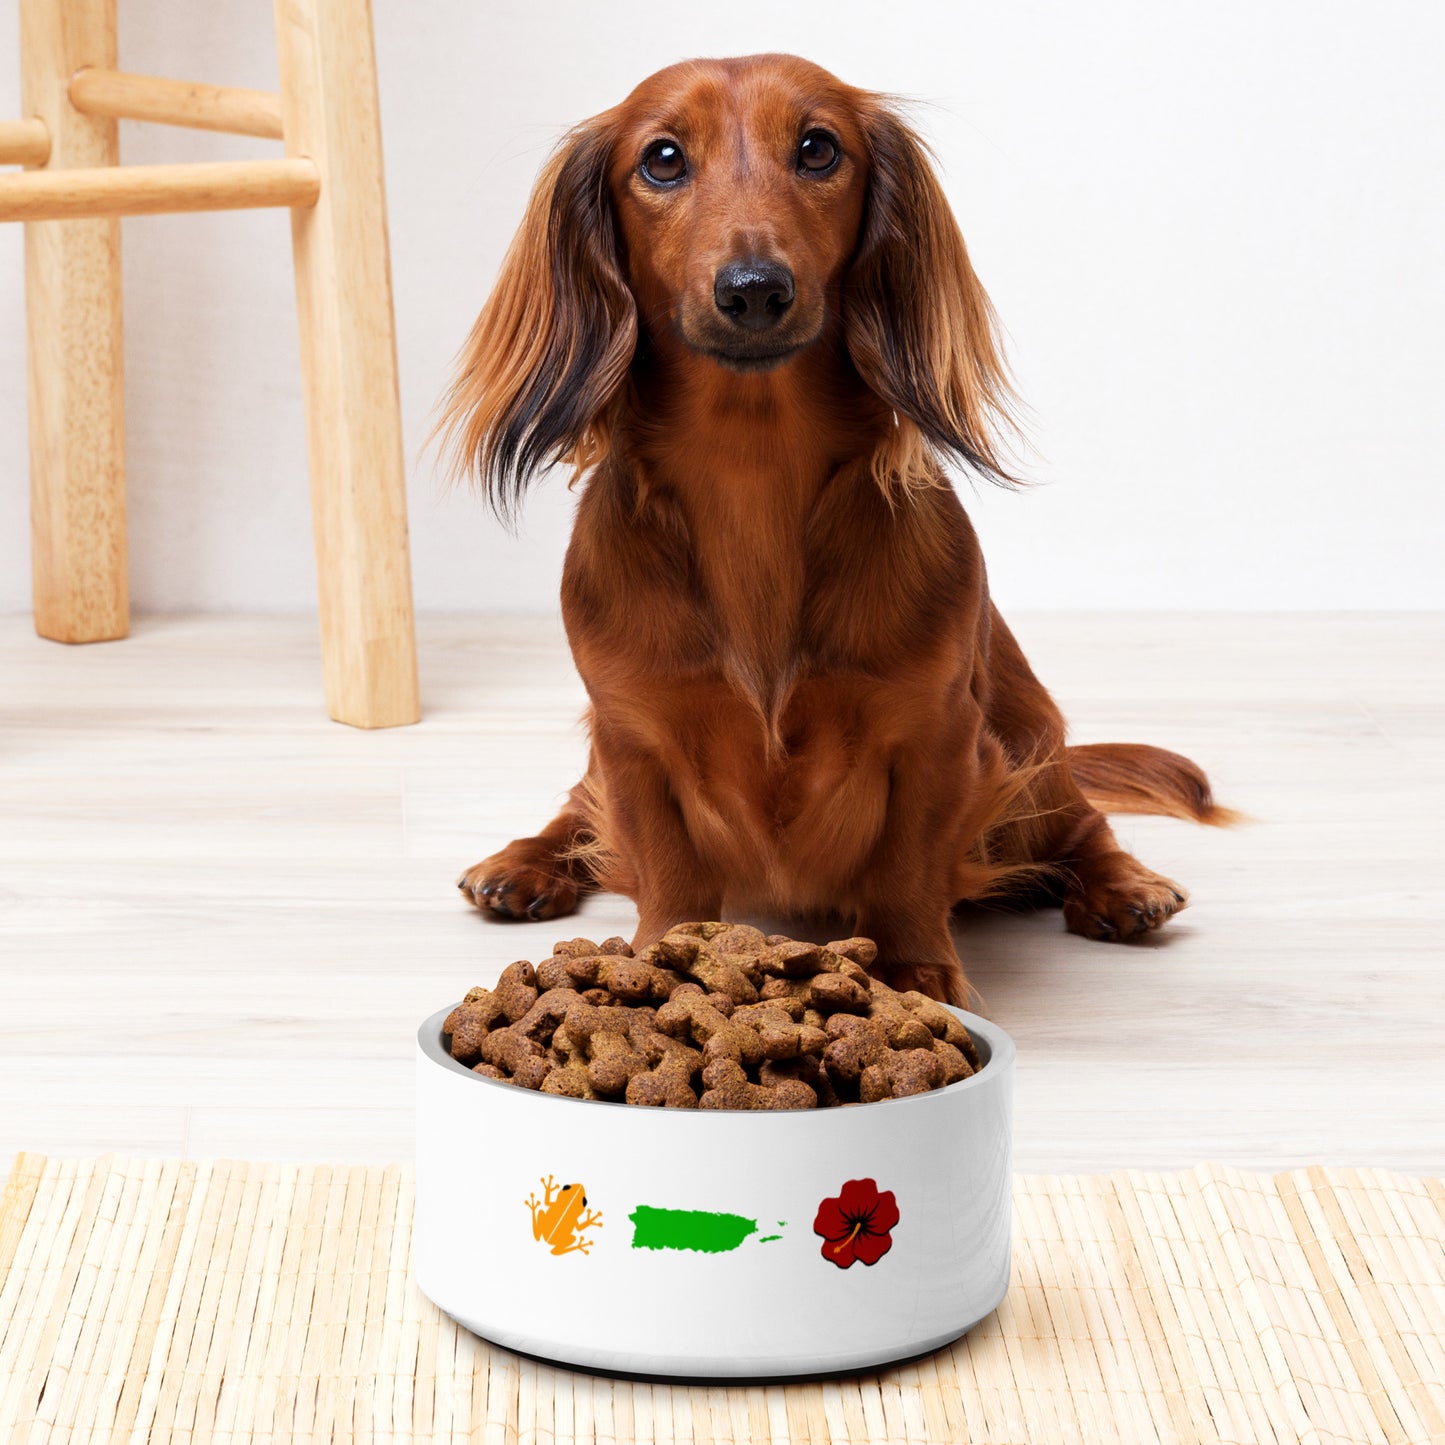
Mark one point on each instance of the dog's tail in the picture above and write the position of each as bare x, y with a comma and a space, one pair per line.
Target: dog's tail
1135, 778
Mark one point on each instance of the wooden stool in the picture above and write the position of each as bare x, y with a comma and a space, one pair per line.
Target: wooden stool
331, 179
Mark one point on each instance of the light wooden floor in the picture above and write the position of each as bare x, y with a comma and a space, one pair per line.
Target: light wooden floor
222, 916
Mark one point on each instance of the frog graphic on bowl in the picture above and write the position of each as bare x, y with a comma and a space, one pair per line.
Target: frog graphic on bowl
561, 1216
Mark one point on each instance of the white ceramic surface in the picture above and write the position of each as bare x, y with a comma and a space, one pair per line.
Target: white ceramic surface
774, 1304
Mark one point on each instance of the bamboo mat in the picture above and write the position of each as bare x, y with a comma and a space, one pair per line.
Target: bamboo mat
151, 1300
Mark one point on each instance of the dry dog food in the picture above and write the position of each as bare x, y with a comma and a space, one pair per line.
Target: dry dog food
713, 1016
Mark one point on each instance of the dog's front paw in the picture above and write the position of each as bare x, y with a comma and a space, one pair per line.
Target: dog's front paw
1116, 899
513, 885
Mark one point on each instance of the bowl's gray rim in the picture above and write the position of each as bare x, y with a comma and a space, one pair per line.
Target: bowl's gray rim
1000, 1048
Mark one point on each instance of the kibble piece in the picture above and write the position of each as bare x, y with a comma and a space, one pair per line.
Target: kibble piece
522, 1058
668, 1084
791, 1006
797, 960
856, 1044
552, 973
704, 931
941, 1024
688, 955
603, 1033
570, 1081
739, 938
807, 1069
470, 1022
915, 1071
695, 1018
955, 1064
903, 1029
862, 951
541, 1021
831, 993
575, 947
618, 947
516, 989
781, 1036
629, 980
778, 988
726, 1086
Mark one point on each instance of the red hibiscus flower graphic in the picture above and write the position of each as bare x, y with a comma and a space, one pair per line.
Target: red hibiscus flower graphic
857, 1224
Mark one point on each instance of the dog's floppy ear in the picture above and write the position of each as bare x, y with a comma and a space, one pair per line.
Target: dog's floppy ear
548, 353
919, 325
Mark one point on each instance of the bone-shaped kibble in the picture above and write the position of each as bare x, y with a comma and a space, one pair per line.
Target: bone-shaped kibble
794, 1005
471, 1021
862, 951
668, 1083
832, 993
629, 980
781, 1037
855, 1044
570, 1081
552, 973
575, 947
738, 938
704, 931
903, 1029
692, 1017
807, 1069
522, 1058
940, 1023
603, 1033
540, 1022
775, 990
797, 960
720, 1001
955, 1063
726, 1086
516, 989
717, 973
899, 1074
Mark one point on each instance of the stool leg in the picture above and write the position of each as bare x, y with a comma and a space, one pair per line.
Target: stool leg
348, 359
72, 306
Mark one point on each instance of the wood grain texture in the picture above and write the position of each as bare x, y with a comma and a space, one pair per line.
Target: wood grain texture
155, 190
125, 96
24, 142
73, 333
259, 907
348, 359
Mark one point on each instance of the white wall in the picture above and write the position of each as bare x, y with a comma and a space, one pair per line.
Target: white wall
1213, 230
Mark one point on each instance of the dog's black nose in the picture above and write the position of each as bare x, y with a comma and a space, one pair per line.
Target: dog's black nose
754, 294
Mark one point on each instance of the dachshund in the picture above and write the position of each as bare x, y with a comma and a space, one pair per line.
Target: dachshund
740, 309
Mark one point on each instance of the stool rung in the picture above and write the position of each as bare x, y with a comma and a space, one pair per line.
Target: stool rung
24, 143
123, 96
60, 195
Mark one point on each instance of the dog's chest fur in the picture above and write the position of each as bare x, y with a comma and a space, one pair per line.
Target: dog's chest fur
774, 658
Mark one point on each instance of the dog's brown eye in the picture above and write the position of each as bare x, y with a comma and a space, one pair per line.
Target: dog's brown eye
818, 152
664, 162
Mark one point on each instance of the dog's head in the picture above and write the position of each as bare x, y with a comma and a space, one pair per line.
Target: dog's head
730, 214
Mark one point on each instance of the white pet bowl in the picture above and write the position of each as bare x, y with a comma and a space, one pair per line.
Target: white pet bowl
706, 1262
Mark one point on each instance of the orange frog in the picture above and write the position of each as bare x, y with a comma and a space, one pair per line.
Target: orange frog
558, 1219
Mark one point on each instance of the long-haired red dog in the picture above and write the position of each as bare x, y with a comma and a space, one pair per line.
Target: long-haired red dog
740, 305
